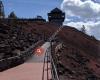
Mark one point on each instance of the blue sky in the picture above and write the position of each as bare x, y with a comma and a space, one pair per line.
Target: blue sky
30, 8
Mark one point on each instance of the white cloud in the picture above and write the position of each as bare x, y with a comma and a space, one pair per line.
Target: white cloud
87, 9
88, 12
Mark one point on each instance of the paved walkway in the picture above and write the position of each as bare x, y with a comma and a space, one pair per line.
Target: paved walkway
30, 70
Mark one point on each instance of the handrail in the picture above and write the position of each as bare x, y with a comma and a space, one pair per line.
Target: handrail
44, 65
54, 70
54, 73
53, 36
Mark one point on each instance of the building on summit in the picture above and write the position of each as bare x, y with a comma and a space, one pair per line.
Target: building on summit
56, 16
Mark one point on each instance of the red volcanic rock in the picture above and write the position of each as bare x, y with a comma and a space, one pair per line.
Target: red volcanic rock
78, 58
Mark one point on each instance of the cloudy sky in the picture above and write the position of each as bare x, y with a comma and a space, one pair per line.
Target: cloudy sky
83, 12
78, 12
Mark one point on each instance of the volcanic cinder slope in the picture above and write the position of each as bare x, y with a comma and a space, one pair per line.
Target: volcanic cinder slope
78, 59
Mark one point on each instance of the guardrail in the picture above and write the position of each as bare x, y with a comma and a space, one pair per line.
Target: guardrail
48, 55
16, 60
49, 59
54, 72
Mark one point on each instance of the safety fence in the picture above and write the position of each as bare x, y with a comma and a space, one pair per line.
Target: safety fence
49, 59
51, 69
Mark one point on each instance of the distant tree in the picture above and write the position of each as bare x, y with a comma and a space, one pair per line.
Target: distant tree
13, 18
12, 15
83, 29
93, 37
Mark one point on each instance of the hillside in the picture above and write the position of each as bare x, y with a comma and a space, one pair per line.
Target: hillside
79, 57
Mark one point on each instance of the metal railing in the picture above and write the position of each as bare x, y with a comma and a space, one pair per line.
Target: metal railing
56, 33
48, 55
48, 59
54, 72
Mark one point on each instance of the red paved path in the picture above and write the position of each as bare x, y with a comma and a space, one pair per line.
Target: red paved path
31, 70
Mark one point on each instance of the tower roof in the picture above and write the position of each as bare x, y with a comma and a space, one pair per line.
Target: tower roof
56, 10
